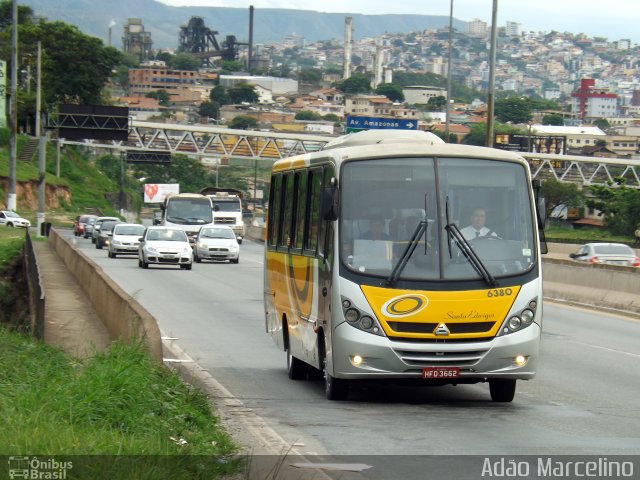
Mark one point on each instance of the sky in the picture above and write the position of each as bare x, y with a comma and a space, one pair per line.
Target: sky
614, 19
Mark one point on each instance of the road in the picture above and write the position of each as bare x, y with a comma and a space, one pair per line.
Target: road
584, 399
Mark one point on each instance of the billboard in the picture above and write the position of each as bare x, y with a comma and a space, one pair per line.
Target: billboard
157, 192
518, 142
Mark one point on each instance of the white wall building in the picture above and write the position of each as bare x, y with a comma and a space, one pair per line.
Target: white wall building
421, 94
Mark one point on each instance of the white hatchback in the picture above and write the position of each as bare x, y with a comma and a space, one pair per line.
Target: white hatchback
12, 219
125, 239
165, 246
217, 243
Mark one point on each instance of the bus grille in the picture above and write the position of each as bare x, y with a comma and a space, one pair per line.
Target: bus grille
454, 328
439, 358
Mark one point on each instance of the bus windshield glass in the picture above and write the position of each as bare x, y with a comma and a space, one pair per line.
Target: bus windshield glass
383, 202
189, 211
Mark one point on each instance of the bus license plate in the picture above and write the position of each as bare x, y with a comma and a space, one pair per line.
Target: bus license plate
440, 372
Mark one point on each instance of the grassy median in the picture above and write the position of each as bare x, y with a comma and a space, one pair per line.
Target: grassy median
105, 411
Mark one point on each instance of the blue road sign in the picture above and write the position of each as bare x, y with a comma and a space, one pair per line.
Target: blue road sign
369, 123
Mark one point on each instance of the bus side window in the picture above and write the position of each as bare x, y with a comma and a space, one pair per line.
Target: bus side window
328, 175
301, 208
287, 210
313, 218
274, 209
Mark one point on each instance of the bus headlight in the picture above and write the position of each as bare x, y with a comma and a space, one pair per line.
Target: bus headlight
360, 320
352, 315
520, 320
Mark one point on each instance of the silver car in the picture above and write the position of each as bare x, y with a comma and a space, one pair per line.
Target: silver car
98, 224
165, 246
217, 243
607, 253
125, 239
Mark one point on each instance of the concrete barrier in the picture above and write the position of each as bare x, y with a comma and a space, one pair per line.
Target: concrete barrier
122, 315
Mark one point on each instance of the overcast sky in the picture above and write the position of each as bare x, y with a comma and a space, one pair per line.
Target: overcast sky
615, 19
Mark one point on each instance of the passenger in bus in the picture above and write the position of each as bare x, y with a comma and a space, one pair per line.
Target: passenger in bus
478, 228
376, 230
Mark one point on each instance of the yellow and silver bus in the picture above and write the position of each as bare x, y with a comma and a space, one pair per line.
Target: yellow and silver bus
370, 274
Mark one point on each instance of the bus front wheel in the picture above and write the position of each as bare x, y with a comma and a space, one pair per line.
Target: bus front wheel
502, 390
335, 388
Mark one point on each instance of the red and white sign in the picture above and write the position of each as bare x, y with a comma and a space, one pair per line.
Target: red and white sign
156, 192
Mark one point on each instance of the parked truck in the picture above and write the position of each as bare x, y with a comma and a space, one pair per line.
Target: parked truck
227, 208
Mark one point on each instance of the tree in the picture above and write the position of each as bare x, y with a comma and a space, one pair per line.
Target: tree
560, 193
75, 66
230, 66
219, 95
513, 109
209, 110
243, 122
392, 91
310, 75
553, 119
602, 124
243, 92
478, 133
161, 95
357, 83
620, 206
188, 172
308, 115
437, 103
184, 61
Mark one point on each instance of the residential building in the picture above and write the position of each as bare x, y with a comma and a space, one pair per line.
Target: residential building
420, 95
177, 83
589, 101
277, 85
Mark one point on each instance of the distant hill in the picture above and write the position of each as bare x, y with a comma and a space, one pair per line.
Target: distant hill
270, 24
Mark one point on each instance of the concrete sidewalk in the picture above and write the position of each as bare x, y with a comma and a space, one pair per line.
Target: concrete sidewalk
71, 323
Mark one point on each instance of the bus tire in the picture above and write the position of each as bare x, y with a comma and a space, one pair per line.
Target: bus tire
296, 368
502, 390
335, 388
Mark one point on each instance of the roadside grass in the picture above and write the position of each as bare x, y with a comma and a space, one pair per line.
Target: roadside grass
116, 403
563, 234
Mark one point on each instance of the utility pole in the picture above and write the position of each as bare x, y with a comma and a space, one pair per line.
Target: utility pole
488, 140
13, 110
38, 90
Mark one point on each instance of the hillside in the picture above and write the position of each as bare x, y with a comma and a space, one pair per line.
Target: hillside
270, 25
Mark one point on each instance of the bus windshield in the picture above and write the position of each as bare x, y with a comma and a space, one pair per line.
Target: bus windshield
384, 201
189, 211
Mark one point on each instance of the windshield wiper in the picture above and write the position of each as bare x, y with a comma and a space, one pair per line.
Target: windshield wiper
466, 249
420, 230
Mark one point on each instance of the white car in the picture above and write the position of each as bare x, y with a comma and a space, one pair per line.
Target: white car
12, 219
217, 243
125, 239
165, 246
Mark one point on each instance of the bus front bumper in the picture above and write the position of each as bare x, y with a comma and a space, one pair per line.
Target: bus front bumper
384, 358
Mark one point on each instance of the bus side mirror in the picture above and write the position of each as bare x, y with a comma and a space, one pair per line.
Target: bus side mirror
330, 202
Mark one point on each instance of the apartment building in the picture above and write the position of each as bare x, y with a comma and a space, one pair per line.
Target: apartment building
179, 84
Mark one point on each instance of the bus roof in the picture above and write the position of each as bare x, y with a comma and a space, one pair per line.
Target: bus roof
392, 143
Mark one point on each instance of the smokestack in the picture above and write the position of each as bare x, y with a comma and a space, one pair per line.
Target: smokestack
111, 25
109, 37
377, 67
250, 59
348, 35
